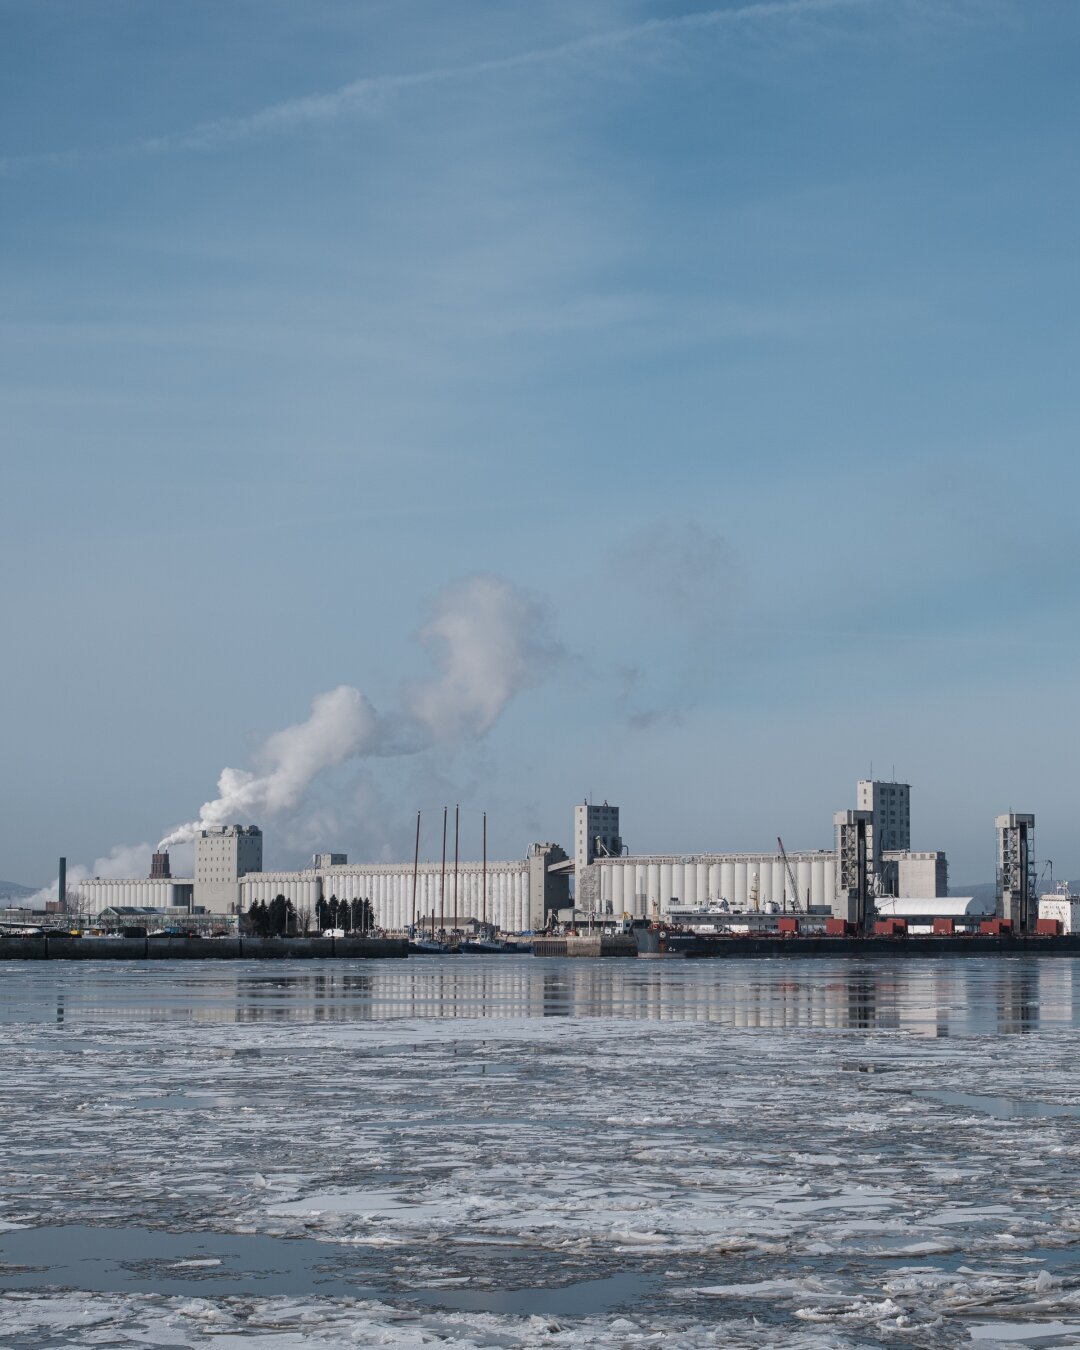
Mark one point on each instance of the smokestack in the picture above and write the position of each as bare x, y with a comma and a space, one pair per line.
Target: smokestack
159, 866
61, 889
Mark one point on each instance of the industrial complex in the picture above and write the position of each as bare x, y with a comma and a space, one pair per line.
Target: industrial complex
870, 870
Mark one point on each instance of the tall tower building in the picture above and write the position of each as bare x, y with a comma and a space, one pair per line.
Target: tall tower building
223, 854
1016, 874
596, 834
889, 805
854, 833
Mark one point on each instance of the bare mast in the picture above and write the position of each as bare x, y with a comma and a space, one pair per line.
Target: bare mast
415, 870
457, 836
483, 901
442, 883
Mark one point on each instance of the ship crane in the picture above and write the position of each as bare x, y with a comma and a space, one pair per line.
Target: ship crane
790, 876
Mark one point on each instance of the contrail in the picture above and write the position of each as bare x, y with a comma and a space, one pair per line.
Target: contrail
369, 94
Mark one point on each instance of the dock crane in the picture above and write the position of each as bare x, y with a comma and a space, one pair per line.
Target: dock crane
790, 876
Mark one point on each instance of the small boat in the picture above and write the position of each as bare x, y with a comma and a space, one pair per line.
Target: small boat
486, 947
429, 947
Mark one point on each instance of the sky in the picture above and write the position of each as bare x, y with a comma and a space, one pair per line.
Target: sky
733, 345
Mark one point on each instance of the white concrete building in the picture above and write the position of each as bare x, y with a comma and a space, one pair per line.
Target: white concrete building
99, 893
596, 834
890, 807
650, 886
910, 875
517, 897
224, 854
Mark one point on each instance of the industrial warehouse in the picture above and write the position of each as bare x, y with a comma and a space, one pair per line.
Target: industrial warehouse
871, 867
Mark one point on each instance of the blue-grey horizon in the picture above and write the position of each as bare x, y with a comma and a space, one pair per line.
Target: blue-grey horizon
735, 339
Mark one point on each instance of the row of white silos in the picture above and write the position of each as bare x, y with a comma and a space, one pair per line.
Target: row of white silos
647, 886
390, 891
92, 896
391, 894
263, 887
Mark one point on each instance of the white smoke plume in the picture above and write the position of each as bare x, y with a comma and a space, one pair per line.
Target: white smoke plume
487, 640
125, 860
342, 724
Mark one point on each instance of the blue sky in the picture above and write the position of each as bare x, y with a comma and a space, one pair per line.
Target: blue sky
741, 339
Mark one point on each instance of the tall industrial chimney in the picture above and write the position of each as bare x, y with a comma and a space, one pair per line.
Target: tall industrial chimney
61, 889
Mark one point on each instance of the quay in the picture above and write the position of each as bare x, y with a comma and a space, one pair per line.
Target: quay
595, 944
894, 947
46, 946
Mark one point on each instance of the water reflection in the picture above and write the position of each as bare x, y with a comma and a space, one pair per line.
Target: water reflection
934, 997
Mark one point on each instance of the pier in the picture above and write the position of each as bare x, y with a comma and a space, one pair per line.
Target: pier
46, 946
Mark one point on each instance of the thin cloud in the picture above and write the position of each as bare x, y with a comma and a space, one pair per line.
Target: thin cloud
370, 95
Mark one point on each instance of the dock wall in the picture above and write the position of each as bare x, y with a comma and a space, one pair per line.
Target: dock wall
890, 948
611, 944
64, 947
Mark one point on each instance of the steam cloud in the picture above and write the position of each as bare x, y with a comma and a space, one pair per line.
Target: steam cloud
487, 641
125, 860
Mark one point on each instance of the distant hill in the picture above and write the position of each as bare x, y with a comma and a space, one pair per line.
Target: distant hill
987, 890
981, 890
11, 891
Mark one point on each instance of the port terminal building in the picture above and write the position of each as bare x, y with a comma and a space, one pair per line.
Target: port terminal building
514, 896
871, 858
658, 883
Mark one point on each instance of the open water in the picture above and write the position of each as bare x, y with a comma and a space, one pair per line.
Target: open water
506, 1151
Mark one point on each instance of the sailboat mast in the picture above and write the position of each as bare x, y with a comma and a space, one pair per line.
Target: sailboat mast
484, 883
442, 883
415, 870
457, 835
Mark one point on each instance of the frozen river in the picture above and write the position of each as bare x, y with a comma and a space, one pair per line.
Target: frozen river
505, 1151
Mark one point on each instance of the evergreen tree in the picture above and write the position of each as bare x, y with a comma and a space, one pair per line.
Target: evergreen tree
278, 915
258, 918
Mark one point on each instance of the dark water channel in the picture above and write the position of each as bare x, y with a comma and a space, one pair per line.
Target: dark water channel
208, 1265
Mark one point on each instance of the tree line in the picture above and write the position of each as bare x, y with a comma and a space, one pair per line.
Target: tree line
279, 918
355, 916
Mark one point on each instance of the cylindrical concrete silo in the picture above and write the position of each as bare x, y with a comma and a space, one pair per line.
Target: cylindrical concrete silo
817, 882
742, 884
805, 874
689, 891
652, 888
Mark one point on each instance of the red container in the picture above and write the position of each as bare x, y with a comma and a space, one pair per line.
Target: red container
1048, 927
996, 927
944, 928
790, 927
890, 928
839, 928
